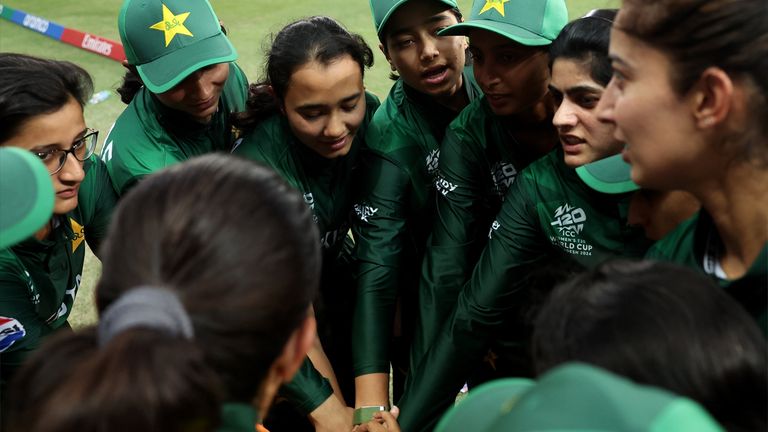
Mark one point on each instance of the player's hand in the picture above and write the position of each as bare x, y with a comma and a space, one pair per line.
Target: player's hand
382, 422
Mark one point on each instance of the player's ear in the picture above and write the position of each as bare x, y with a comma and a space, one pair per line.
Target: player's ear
298, 345
290, 359
386, 55
712, 97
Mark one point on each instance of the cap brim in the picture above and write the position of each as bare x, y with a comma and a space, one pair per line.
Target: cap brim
610, 175
161, 74
484, 405
509, 31
27, 195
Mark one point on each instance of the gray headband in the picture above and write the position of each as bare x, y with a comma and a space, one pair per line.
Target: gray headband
150, 307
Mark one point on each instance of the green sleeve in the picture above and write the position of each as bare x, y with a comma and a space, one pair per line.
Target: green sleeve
138, 145
21, 329
96, 199
308, 389
130, 154
379, 231
453, 247
486, 300
251, 146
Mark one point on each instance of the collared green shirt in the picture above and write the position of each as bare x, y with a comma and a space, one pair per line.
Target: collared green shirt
394, 213
696, 244
479, 160
148, 136
238, 417
327, 186
548, 214
39, 279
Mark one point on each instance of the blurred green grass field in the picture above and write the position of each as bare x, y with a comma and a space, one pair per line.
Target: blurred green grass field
249, 23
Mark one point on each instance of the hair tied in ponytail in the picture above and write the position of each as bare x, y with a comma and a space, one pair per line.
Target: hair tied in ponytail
150, 307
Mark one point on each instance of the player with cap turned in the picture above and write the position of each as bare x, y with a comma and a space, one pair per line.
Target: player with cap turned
189, 84
395, 207
570, 205
41, 110
488, 144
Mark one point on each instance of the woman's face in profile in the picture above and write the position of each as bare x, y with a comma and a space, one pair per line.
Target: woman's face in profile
662, 142
583, 137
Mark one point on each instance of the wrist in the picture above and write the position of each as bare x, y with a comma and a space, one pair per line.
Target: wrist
364, 414
330, 408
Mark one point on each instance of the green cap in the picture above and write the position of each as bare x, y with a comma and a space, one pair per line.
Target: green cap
26, 195
610, 175
383, 9
170, 39
527, 22
575, 397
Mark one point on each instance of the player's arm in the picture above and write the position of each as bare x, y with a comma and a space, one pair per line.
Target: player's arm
451, 249
321, 362
485, 302
308, 389
21, 329
130, 154
379, 230
97, 200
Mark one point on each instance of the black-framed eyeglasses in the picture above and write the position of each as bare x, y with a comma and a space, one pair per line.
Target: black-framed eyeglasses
82, 149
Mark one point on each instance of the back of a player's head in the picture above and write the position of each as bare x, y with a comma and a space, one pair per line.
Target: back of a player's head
662, 325
30, 86
236, 244
142, 380
586, 40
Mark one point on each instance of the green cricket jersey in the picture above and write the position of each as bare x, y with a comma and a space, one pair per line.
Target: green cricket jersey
327, 186
696, 244
148, 136
548, 212
325, 183
479, 160
39, 279
394, 214
238, 417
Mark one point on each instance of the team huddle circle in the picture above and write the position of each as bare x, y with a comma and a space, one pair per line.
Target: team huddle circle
549, 222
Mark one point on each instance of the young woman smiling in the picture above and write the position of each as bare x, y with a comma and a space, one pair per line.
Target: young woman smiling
308, 120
